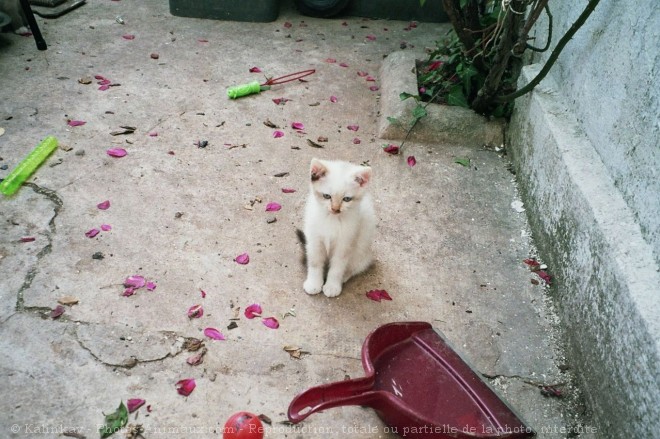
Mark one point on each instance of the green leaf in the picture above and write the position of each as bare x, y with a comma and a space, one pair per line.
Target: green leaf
457, 97
393, 120
463, 161
114, 421
419, 112
464, 3
403, 96
421, 3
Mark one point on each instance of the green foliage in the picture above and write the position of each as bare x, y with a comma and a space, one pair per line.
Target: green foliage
114, 421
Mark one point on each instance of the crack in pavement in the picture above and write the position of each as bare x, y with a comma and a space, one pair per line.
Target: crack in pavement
32, 272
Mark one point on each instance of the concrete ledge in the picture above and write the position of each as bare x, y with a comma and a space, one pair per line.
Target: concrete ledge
443, 123
606, 280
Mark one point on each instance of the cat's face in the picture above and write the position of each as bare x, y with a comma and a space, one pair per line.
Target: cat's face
338, 186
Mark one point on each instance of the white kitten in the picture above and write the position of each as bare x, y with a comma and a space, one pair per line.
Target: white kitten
339, 225
14, 10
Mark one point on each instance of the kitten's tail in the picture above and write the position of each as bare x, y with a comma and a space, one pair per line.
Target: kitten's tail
303, 240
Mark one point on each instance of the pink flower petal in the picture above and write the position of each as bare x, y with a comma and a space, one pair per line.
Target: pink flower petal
128, 37
105, 82
255, 70
362, 74
196, 359
104, 205
242, 259
287, 25
76, 123
151, 286
99, 77
288, 190
27, 239
353, 127
374, 88
370, 79
532, 262
277, 134
134, 404
195, 312
128, 292
371, 37
104, 87
271, 322
57, 312
186, 386
214, 334
330, 60
281, 101
391, 149
412, 161
153, 134
253, 311
343, 64
116, 152
92, 233
273, 207
297, 125
333, 99
356, 141
106, 227
378, 295
135, 281
203, 293
202, 40
545, 276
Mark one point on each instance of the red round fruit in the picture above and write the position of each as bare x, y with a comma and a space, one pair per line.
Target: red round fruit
243, 425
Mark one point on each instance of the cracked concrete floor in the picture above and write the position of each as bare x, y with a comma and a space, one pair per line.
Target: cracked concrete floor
449, 248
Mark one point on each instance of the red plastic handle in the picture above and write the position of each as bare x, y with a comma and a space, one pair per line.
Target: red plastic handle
350, 392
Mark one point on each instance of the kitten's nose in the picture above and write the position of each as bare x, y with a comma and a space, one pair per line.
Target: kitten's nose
336, 210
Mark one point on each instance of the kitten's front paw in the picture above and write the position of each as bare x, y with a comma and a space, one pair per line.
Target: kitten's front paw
332, 289
311, 286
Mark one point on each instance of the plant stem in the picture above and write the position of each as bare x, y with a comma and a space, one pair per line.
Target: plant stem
553, 56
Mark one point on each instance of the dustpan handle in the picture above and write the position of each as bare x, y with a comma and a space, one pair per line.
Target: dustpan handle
350, 392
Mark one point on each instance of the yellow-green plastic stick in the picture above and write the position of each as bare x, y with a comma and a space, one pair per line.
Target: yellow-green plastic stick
238, 91
15, 179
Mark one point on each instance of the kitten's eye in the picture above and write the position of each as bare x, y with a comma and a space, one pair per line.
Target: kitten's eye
327, 196
347, 199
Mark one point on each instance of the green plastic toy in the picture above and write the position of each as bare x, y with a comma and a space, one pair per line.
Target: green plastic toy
238, 91
17, 177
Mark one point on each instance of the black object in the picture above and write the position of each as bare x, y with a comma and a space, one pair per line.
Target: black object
431, 12
234, 10
34, 27
48, 3
57, 10
321, 8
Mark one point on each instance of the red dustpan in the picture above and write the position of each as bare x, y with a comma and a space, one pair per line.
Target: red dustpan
419, 387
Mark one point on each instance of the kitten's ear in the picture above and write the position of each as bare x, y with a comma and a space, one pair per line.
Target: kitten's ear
363, 176
317, 170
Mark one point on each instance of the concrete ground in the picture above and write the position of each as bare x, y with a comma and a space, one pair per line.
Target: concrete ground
449, 247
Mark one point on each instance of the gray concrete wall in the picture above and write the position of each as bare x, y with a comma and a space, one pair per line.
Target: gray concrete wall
585, 145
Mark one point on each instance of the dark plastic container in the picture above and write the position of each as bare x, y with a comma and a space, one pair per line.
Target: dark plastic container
232, 10
431, 12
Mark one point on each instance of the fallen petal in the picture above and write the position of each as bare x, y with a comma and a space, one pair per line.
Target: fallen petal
273, 207
203, 293
287, 190
253, 311
242, 259
151, 286
412, 161
135, 281
134, 404
57, 312
116, 152
76, 123
362, 74
343, 64
197, 358
128, 37
371, 37
356, 141
545, 276
353, 127
370, 79
277, 134
186, 386
214, 334
378, 295
281, 101
532, 262
330, 60
106, 227
255, 70
92, 233
153, 134
333, 99
27, 239
271, 322
104, 87
99, 77
297, 126
287, 24
105, 82
104, 205
384, 295
128, 292
202, 40
374, 88
391, 149
195, 312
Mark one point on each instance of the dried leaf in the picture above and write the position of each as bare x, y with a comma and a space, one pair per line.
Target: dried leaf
293, 351
193, 344
281, 174
123, 130
186, 386
68, 300
313, 144
85, 80
195, 312
197, 358
270, 124
214, 334
265, 419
